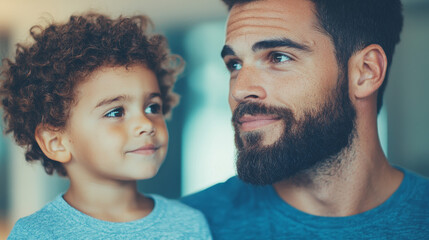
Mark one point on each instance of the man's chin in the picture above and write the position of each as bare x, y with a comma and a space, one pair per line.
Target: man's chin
257, 165
258, 139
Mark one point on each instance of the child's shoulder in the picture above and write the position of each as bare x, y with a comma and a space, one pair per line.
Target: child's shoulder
186, 221
172, 207
39, 223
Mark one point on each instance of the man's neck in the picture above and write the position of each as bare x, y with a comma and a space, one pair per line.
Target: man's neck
354, 182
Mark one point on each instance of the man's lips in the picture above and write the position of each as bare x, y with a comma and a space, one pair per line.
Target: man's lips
252, 122
145, 150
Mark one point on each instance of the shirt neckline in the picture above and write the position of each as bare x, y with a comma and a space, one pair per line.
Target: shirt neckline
281, 208
72, 214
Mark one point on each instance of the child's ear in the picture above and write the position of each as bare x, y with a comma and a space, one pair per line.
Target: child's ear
50, 140
367, 69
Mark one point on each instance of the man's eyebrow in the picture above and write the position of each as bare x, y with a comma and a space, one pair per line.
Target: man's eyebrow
282, 42
267, 44
227, 50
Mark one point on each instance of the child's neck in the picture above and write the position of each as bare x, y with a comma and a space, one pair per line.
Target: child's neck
116, 202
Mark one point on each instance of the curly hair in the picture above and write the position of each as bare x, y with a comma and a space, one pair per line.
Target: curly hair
39, 86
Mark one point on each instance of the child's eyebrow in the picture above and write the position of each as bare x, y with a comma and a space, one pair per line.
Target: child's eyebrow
108, 101
154, 95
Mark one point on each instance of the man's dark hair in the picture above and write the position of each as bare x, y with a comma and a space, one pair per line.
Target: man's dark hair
354, 24
38, 87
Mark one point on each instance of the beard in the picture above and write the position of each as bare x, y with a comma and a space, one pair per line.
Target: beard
308, 143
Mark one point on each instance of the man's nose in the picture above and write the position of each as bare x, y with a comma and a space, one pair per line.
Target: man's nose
143, 126
248, 85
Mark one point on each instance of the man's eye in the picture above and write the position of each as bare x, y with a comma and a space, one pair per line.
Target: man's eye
278, 57
233, 65
115, 113
153, 108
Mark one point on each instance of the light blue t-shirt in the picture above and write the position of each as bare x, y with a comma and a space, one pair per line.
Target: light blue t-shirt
169, 219
236, 210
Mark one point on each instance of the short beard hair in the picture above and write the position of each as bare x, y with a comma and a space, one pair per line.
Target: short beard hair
304, 144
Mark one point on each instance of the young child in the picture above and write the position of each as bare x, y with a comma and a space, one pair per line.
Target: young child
88, 99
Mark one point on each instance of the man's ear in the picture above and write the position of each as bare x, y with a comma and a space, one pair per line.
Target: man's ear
367, 69
50, 140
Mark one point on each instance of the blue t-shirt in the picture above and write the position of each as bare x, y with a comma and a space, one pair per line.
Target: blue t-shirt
169, 219
236, 210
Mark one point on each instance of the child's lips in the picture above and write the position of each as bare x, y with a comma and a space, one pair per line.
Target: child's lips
148, 149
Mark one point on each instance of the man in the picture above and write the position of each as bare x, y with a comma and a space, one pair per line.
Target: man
307, 79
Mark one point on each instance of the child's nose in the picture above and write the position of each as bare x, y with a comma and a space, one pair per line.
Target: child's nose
143, 126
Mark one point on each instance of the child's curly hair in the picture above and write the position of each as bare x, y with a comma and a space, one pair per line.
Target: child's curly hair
38, 87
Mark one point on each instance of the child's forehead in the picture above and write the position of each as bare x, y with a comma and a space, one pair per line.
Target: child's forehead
117, 80
107, 72
107, 68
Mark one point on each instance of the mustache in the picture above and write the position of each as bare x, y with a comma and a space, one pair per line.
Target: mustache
254, 108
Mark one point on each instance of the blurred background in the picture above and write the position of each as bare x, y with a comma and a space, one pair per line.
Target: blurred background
201, 150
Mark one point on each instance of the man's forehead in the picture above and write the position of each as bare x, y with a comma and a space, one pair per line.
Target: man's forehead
272, 9
267, 17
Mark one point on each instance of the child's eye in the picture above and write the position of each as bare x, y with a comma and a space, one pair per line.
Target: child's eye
115, 113
153, 108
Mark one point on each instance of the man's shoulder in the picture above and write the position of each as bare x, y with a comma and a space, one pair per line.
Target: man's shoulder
228, 206
418, 189
175, 209
177, 219
218, 202
224, 194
